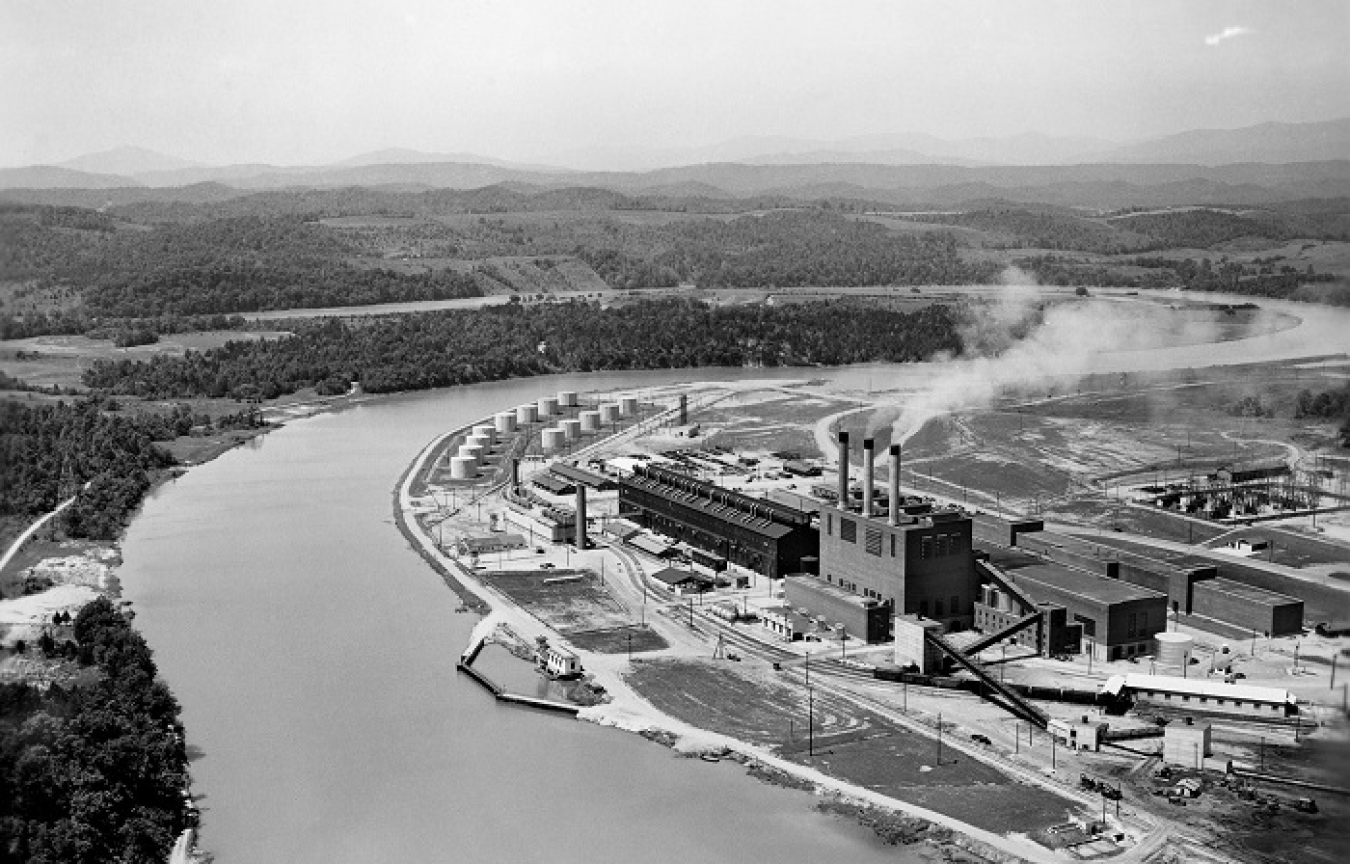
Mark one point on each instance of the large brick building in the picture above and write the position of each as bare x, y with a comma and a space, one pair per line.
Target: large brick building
923, 565
765, 536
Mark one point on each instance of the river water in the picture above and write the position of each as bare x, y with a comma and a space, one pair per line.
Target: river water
314, 656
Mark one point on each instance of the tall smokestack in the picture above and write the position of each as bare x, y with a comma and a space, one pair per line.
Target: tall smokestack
843, 470
580, 534
868, 465
895, 485
684, 410
515, 472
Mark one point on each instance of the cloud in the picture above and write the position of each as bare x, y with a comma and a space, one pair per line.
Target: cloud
1227, 33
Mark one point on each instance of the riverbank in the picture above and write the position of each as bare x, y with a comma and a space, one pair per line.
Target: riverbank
627, 710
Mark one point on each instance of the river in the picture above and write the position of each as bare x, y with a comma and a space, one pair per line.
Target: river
314, 656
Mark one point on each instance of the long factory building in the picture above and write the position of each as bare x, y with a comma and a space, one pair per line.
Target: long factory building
770, 538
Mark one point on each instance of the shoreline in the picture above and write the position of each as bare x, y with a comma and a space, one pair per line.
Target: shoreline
630, 712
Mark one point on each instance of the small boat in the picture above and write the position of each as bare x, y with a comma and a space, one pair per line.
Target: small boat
710, 757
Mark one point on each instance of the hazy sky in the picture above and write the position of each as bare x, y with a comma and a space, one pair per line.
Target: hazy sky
292, 81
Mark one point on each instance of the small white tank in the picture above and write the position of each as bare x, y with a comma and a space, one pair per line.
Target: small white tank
487, 430
548, 406
628, 406
590, 421
571, 429
552, 439
609, 413
463, 467
527, 413
1173, 648
505, 422
480, 441
567, 398
472, 451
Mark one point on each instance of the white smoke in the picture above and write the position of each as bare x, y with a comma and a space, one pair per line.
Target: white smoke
1023, 339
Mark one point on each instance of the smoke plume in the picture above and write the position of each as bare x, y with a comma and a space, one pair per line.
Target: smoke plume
1024, 340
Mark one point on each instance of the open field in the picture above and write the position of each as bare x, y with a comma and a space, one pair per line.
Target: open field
751, 703
562, 602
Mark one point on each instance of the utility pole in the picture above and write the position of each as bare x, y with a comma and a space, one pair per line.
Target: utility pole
939, 739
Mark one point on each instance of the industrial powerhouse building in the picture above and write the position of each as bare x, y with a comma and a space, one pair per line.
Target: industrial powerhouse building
770, 538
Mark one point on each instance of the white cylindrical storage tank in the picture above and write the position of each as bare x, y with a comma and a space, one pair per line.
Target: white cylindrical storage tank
487, 430
548, 406
571, 429
552, 439
463, 467
505, 423
628, 406
472, 451
481, 441
1174, 649
527, 413
609, 413
590, 421
567, 398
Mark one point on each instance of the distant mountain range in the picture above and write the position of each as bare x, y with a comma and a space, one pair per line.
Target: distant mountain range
1255, 165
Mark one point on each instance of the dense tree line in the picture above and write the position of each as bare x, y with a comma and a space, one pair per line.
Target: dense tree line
415, 352
29, 248
244, 264
1203, 228
106, 460
79, 321
93, 773
802, 248
1260, 278
1046, 228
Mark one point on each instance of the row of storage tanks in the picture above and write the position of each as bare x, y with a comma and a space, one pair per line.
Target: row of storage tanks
478, 444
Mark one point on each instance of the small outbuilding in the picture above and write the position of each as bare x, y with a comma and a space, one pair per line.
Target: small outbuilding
683, 582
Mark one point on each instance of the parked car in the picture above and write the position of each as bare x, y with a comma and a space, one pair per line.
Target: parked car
547, 565
981, 739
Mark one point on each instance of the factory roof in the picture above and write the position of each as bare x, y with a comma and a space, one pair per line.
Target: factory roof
555, 484
1250, 593
673, 576
1196, 687
581, 475
716, 508
761, 508
621, 528
650, 545
1098, 588
492, 542
830, 590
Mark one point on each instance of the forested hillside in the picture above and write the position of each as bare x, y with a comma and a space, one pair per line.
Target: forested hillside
444, 349
93, 773
105, 459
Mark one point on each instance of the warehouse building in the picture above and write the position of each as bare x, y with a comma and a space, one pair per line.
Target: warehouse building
1246, 607
1202, 695
770, 538
863, 617
1194, 589
1117, 619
